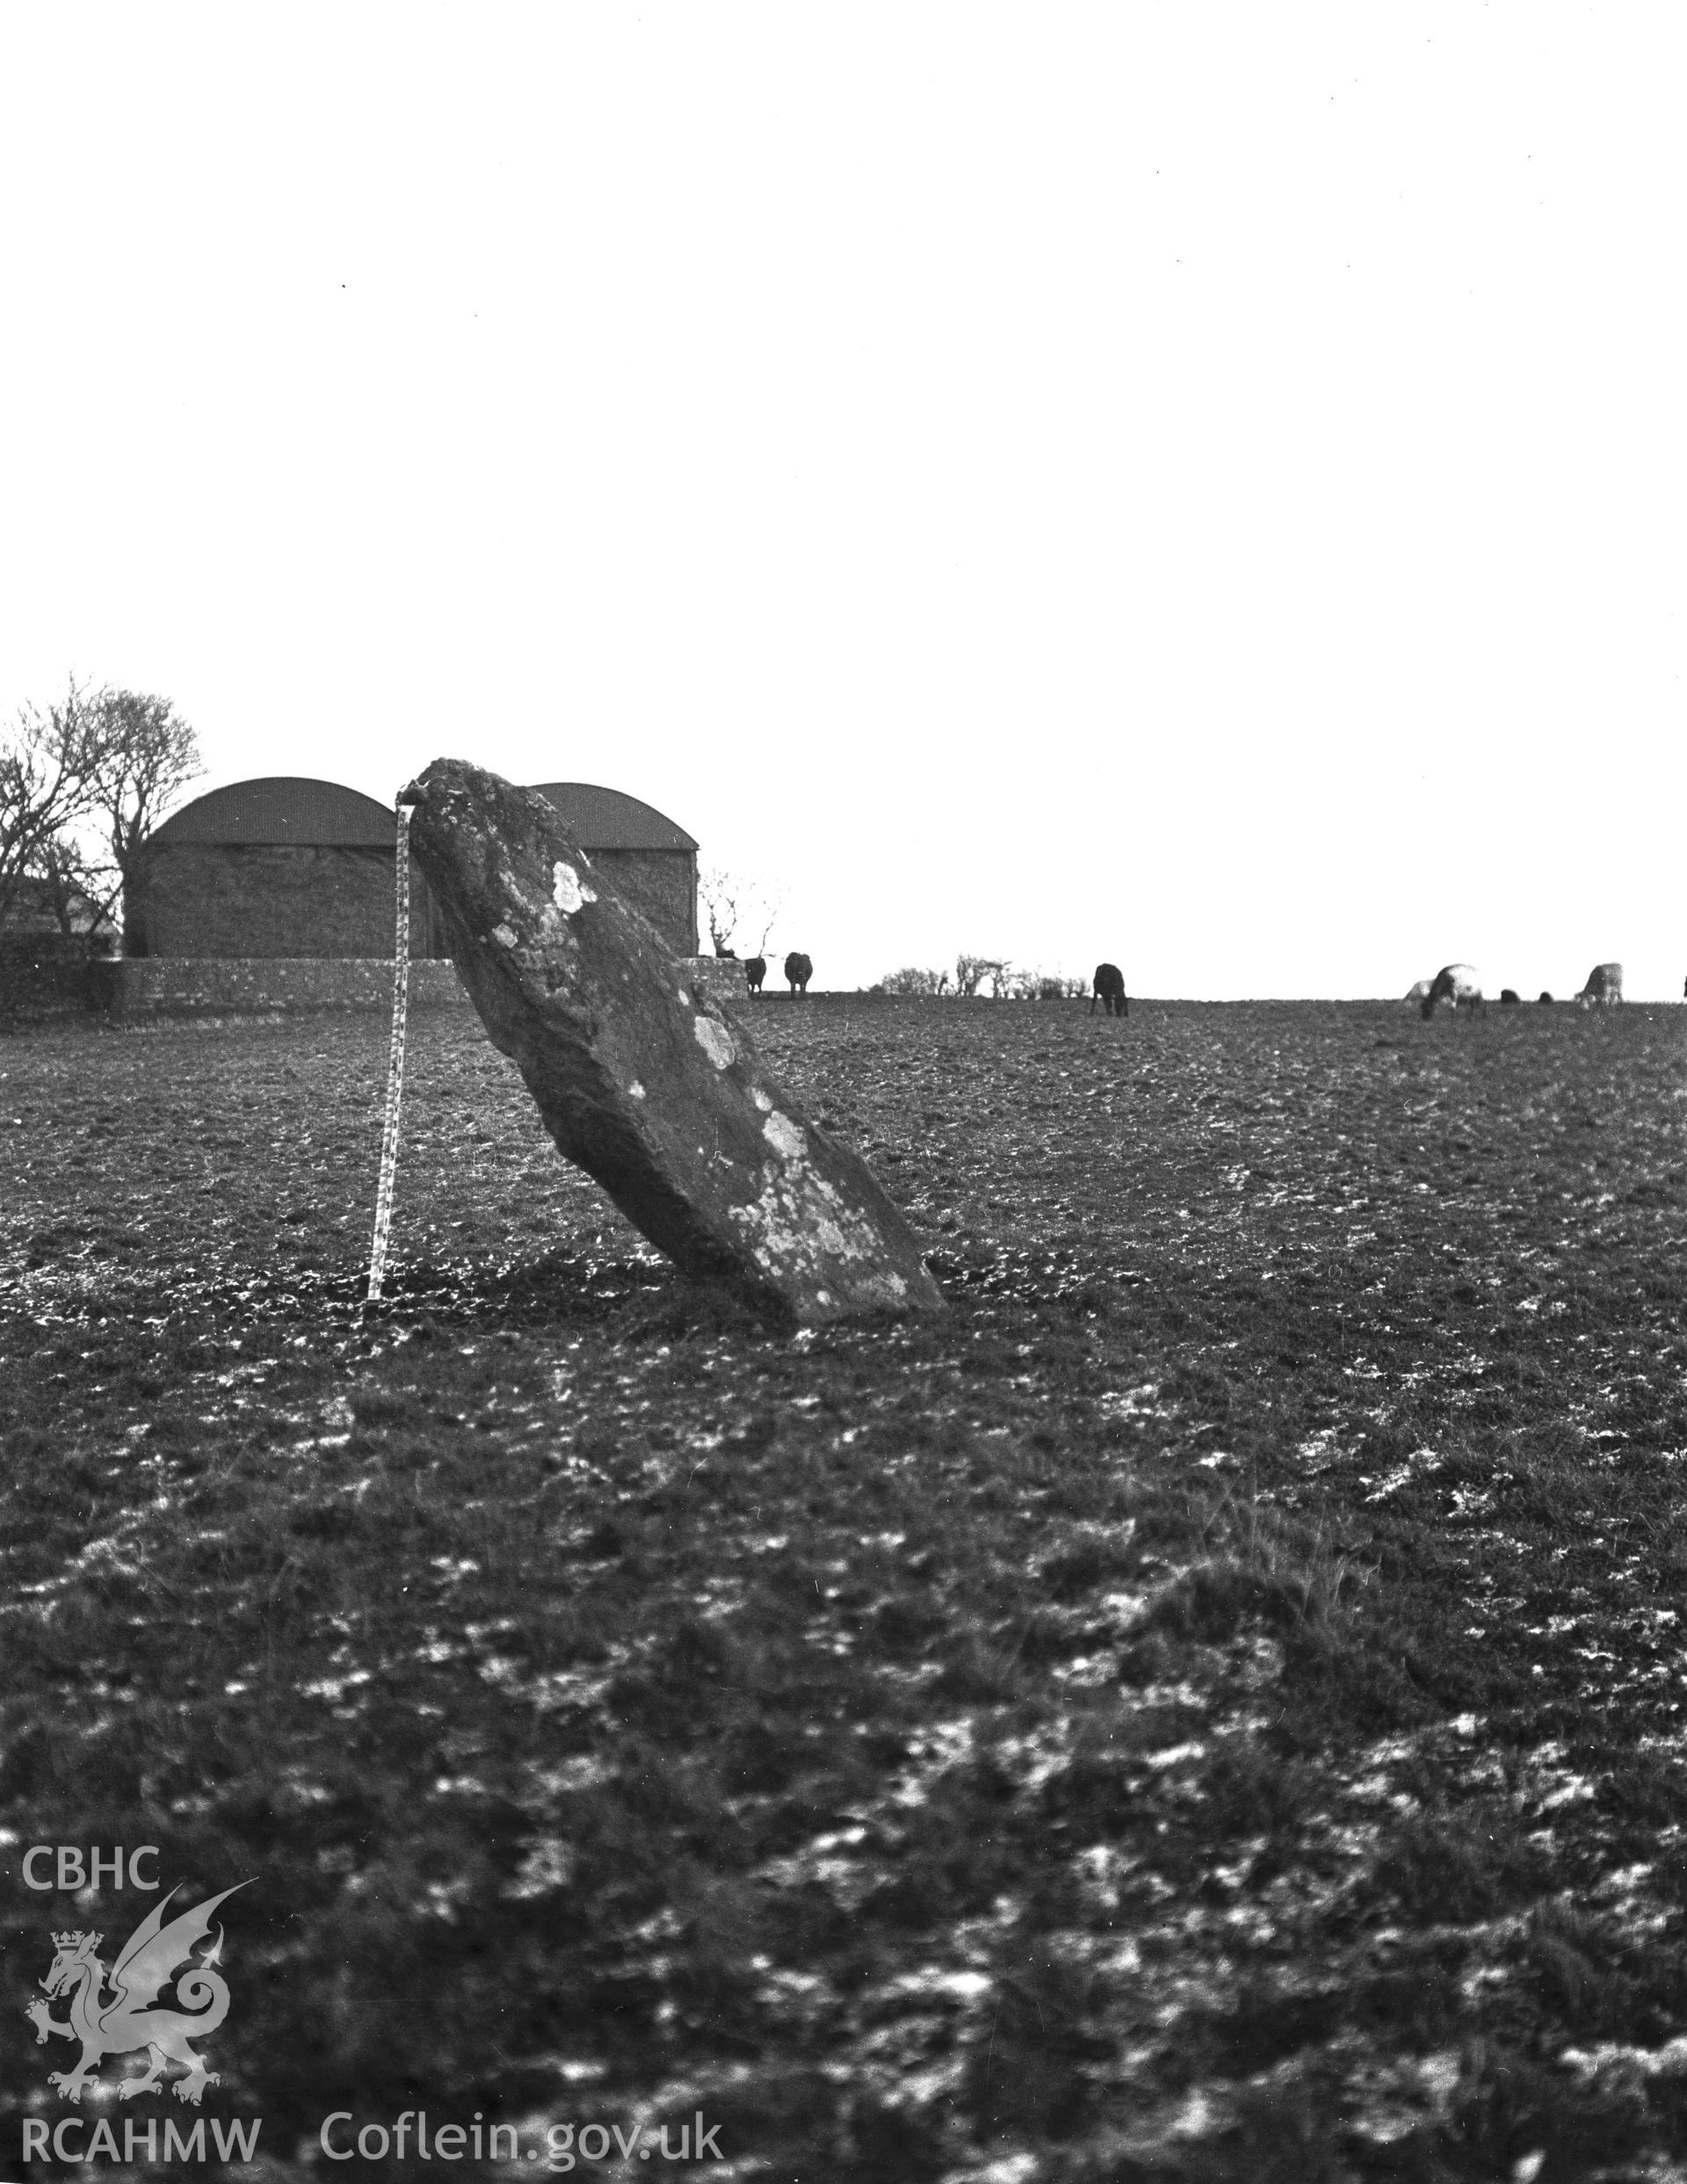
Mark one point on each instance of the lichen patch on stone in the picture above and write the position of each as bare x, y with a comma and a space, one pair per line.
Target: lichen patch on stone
568, 891
783, 1134
503, 936
799, 1224
635, 1090
763, 1103
716, 1041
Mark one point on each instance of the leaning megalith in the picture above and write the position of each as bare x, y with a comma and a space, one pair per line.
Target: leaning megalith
639, 1077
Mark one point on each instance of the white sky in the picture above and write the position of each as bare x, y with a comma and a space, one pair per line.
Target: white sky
1201, 486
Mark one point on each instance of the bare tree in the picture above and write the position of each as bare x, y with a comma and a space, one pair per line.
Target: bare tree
150, 754
971, 971
912, 981
81, 784
767, 904
718, 891
67, 886
49, 774
728, 899
1041, 985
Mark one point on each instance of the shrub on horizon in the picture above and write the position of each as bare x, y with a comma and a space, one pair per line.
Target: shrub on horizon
912, 981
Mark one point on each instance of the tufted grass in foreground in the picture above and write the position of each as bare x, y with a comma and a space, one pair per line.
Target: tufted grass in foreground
1211, 1709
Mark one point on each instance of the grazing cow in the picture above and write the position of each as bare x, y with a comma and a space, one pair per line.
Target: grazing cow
1545, 999
755, 971
725, 955
1459, 985
1420, 992
1509, 997
798, 970
1604, 986
1110, 990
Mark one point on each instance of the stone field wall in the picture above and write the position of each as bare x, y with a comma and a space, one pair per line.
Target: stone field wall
35, 988
209, 985
43, 978
720, 977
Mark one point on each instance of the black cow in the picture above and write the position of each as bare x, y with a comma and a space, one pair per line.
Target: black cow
798, 971
1110, 988
755, 971
725, 955
1508, 998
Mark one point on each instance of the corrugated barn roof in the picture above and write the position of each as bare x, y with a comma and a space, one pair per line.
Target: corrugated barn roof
287, 808
603, 819
282, 808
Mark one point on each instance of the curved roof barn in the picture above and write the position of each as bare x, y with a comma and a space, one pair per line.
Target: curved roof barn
291, 808
288, 866
604, 818
650, 860
280, 808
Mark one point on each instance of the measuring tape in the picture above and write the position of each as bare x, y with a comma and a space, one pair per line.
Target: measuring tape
396, 1066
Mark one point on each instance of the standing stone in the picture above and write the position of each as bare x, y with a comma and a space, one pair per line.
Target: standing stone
639, 1077
716, 977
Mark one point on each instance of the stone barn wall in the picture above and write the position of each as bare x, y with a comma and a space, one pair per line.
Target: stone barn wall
283, 867
255, 899
660, 882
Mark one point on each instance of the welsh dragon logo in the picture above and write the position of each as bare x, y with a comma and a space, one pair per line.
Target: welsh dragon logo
123, 2022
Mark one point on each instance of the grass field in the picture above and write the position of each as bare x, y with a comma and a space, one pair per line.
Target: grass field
1211, 1709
